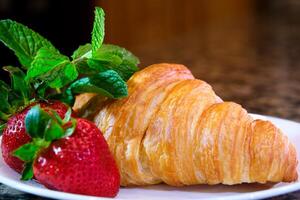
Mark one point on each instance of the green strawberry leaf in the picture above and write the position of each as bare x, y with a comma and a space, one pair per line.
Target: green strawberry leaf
40, 124
27, 172
23, 41
70, 130
36, 122
53, 68
98, 29
18, 82
27, 152
68, 116
57, 117
107, 83
54, 131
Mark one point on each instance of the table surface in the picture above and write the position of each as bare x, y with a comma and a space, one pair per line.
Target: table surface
257, 66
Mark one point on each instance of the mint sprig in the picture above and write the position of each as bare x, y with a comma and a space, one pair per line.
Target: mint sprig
22, 40
53, 68
13, 96
107, 83
19, 85
94, 67
43, 128
98, 29
116, 58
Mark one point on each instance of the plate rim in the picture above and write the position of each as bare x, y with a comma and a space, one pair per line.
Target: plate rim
45, 192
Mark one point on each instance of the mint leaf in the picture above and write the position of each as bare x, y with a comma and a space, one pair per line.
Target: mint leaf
4, 94
107, 83
97, 65
27, 173
2, 127
22, 40
107, 50
19, 84
80, 57
53, 68
116, 58
4, 116
98, 29
83, 51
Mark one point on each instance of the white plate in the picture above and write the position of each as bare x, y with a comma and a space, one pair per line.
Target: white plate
244, 191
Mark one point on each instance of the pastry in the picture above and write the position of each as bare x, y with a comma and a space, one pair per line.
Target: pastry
173, 128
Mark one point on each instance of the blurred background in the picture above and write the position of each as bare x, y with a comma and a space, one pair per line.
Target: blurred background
248, 50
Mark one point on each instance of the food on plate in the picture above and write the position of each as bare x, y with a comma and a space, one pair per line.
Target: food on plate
42, 138
70, 155
173, 128
14, 134
163, 125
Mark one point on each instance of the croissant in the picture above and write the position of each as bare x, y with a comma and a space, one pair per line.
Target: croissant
173, 128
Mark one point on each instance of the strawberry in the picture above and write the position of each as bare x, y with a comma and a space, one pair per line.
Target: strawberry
68, 155
14, 134
81, 163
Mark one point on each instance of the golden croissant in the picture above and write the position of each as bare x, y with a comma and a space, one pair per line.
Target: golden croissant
173, 128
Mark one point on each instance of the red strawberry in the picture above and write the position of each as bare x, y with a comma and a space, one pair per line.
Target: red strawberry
81, 163
14, 135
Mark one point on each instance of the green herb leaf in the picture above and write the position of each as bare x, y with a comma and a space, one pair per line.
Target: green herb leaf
83, 51
27, 173
80, 57
4, 116
107, 83
116, 58
97, 65
53, 68
23, 41
19, 84
106, 51
4, 93
2, 127
98, 29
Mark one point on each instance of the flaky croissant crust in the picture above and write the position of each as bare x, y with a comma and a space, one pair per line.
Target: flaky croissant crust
173, 128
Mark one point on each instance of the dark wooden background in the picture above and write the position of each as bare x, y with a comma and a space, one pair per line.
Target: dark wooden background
140, 25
